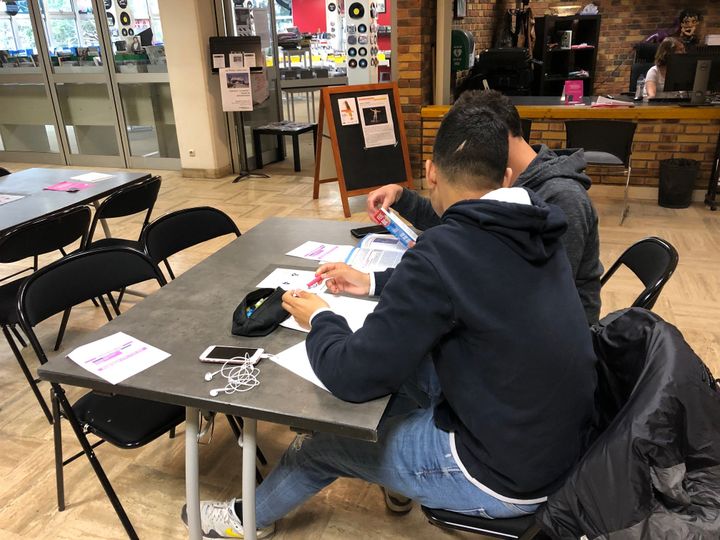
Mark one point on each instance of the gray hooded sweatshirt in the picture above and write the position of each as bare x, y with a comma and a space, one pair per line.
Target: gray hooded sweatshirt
559, 180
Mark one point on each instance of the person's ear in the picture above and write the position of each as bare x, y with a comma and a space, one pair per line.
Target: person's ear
507, 179
430, 173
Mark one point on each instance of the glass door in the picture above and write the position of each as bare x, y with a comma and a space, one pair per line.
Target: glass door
141, 78
28, 125
257, 19
75, 62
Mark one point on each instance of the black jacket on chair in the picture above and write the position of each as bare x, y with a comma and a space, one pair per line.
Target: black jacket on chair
655, 471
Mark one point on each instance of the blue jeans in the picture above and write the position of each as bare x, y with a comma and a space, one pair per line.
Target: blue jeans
411, 457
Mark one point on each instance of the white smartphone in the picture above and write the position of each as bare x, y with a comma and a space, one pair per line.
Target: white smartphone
219, 354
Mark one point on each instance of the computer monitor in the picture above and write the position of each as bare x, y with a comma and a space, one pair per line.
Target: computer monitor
695, 71
146, 37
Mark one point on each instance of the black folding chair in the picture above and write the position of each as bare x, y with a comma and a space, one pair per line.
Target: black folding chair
607, 143
4, 171
123, 421
179, 230
127, 201
43, 235
520, 528
182, 229
653, 260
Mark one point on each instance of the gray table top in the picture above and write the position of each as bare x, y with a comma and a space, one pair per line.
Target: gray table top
195, 311
38, 202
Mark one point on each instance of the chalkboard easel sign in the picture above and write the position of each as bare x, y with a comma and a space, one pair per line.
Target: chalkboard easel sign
365, 126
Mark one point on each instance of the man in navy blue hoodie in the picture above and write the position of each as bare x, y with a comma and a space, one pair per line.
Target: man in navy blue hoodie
488, 295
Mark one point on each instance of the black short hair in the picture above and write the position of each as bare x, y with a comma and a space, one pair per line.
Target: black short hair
471, 146
499, 104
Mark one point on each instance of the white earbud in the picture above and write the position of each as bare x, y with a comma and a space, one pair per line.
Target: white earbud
210, 374
215, 392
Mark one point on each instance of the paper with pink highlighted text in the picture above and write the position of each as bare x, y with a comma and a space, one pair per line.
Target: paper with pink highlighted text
117, 357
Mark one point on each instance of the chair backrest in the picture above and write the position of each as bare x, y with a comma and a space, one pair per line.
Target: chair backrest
526, 128
612, 136
174, 232
77, 278
127, 201
45, 234
653, 260
636, 70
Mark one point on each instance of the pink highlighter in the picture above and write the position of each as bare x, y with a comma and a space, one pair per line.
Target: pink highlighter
315, 281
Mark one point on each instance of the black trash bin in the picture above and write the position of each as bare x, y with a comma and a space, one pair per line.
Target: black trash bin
677, 178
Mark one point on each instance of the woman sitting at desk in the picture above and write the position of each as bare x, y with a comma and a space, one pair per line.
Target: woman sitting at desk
655, 78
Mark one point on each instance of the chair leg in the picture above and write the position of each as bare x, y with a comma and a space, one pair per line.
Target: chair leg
105, 308
57, 439
18, 335
170, 272
626, 204
26, 371
115, 305
99, 472
61, 330
260, 455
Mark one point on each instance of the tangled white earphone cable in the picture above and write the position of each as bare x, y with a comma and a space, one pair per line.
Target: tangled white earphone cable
241, 377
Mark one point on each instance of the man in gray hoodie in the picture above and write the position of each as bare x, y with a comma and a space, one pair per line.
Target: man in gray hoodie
559, 179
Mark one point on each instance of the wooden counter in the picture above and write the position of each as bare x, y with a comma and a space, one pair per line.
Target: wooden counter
664, 131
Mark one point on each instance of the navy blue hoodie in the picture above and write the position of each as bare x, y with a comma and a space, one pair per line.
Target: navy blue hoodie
489, 295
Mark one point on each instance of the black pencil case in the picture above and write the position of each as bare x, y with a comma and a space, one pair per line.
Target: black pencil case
259, 313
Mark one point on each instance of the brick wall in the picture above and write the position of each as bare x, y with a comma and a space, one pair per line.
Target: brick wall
416, 36
654, 140
624, 22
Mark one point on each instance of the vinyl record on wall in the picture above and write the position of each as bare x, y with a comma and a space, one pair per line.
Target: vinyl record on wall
356, 11
352, 51
362, 63
110, 18
362, 28
131, 32
124, 18
352, 40
122, 3
108, 4
362, 51
124, 32
332, 7
352, 63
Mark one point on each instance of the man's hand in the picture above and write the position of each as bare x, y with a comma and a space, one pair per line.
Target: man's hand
302, 305
383, 197
341, 277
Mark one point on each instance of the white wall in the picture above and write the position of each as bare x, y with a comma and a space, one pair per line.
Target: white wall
201, 124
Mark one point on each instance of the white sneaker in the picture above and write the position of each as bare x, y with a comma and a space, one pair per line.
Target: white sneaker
218, 520
396, 502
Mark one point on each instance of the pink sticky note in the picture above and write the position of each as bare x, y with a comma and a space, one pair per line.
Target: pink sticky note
68, 186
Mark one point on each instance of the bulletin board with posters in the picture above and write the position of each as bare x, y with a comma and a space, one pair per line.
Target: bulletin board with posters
364, 127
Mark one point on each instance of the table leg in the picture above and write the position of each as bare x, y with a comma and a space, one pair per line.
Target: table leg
257, 148
248, 477
192, 487
296, 152
280, 147
103, 222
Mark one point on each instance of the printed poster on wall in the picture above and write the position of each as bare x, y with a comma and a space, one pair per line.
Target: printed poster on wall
235, 89
348, 112
376, 120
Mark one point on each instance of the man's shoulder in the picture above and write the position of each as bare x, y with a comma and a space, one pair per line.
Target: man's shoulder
561, 188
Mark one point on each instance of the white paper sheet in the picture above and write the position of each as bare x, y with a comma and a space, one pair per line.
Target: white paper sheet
295, 359
6, 198
320, 251
91, 177
290, 279
374, 260
117, 357
376, 120
235, 89
355, 310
